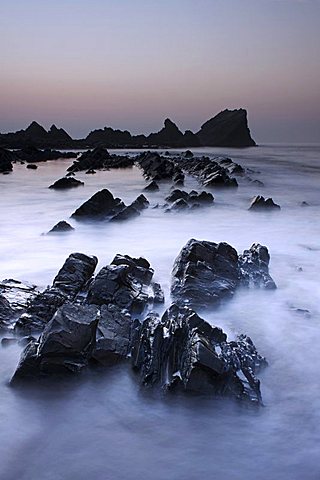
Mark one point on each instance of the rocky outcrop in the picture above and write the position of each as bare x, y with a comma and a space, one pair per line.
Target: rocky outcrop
193, 198
227, 129
99, 159
152, 187
209, 172
99, 207
205, 273
66, 182
70, 280
133, 210
7, 313
261, 203
65, 345
6, 159
157, 167
125, 283
254, 267
169, 135
61, 227
181, 351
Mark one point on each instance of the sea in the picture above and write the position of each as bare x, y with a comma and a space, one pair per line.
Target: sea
103, 425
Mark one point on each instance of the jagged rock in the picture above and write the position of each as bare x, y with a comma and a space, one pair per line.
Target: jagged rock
152, 187
65, 345
182, 351
220, 179
140, 203
260, 203
124, 283
204, 198
112, 335
6, 159
126, 214
156, 167
204, 273
92, 159
18, 294
158, 293
177, 195
66, 182
61, 227
227, 129
178, 205
188, 154
100, 206
32, 166
70, 280
91, 172
7, 313
192, 198
169, 135
254, 267
232, 167
37, 136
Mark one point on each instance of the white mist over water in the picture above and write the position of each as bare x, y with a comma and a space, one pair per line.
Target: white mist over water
103, 425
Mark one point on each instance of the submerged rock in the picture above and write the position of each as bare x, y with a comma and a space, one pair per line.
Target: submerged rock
32, 166
260, 203
66, 182
182, 351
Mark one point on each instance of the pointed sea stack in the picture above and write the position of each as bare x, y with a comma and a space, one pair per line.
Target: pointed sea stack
227, 129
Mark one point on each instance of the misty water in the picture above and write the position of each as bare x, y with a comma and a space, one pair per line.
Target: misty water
102, 424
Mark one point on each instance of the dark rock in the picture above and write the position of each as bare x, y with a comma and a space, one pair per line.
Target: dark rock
177, 195
152, 187
169, 135
100, 206
204, 198
260, 203
305, 204
204, 273
70, 280
209, 172
157, 167
126, 214
65, 345
158, 293
32, 166
7, 313
6, 159
188, 154
125, 283
18, 294
181, 199
61, 227
91, 172
98, 159
182, 351
140, 203
220, 179
179, 205
66, 182
227, 129
254, 267
112, 335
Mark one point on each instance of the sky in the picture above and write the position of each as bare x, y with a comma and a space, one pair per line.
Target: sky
130, 64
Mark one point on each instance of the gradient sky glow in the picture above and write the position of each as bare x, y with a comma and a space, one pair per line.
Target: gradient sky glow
131, 63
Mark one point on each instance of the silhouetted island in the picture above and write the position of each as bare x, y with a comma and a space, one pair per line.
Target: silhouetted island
227, 129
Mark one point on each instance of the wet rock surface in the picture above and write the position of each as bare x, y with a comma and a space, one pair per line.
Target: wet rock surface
70, 280
33, 154
182, 200
157, 167
205, 273
181, 351
6, 159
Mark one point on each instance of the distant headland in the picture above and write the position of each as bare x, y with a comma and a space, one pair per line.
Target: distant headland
229, 128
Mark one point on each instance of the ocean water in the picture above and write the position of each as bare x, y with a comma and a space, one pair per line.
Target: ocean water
103, 425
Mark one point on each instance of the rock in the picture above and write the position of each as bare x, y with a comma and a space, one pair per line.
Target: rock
260, 203
66, 182
125, 283
209, 172
177, 195
99, 158
227, 129
32, 154
178, 205
254, 267
204, 198
6, 159
100, 206
181, 199
90, 171
220, 180
158, 293
65, 345
188, 154
18, 294
305, 204
32, 166
126, 214
169, 136
7, 313
112, 335
157, 167
6, 342
152, 187
204, 273
61, 227
140, 203
70, 280
181, 351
